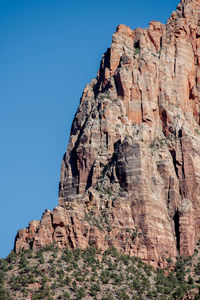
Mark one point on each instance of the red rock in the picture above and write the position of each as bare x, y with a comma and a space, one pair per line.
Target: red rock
130, 176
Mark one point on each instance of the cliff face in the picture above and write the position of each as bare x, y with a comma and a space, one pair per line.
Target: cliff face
131, 175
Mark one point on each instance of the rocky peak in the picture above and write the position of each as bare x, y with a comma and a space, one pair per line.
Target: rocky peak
130, 175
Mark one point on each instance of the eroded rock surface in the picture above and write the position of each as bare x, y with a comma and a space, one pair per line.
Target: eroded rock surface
131, 175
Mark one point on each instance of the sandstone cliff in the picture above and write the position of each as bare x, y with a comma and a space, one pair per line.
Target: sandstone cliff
131, 175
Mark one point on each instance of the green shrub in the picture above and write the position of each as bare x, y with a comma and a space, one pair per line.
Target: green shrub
108, 297
180, 270
11, 258
2, 277
67, 256
197, 268
190, 280
89, 255
77, 254
66, 296
179, 292
40, 257
4, 294
94, 289
105, 278
137, 50
61, 274
81, 293
122, 295
68, 279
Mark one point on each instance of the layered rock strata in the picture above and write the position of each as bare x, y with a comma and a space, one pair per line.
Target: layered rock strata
131, 175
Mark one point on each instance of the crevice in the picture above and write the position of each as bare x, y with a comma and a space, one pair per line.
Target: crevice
182, 190
152, 40
141, 105
180, 133
168, 197
175, 56
74, 158
72, 221
73, 162
173, 154
31, 244
183, 167
16, 238
118, 84
105, 63
70, 242
158, 101
137, 45
106, 139
176, 220
161, 42
89, 179
52, 224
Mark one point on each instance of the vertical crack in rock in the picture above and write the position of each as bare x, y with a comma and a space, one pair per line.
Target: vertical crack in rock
89, 179
118, 84
183, 192
53, 226
107, 140
173, 154
142, 112
70, 242
105, 64
176, 219
175, 58
168, 195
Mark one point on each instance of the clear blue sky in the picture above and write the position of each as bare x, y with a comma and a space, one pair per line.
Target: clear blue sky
49, 50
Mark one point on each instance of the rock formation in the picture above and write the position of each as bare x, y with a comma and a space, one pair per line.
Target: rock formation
131, 175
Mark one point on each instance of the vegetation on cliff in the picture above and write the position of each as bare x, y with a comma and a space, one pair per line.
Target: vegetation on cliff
63, 274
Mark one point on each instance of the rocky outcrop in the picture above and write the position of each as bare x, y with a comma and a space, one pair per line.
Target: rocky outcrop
131, 175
